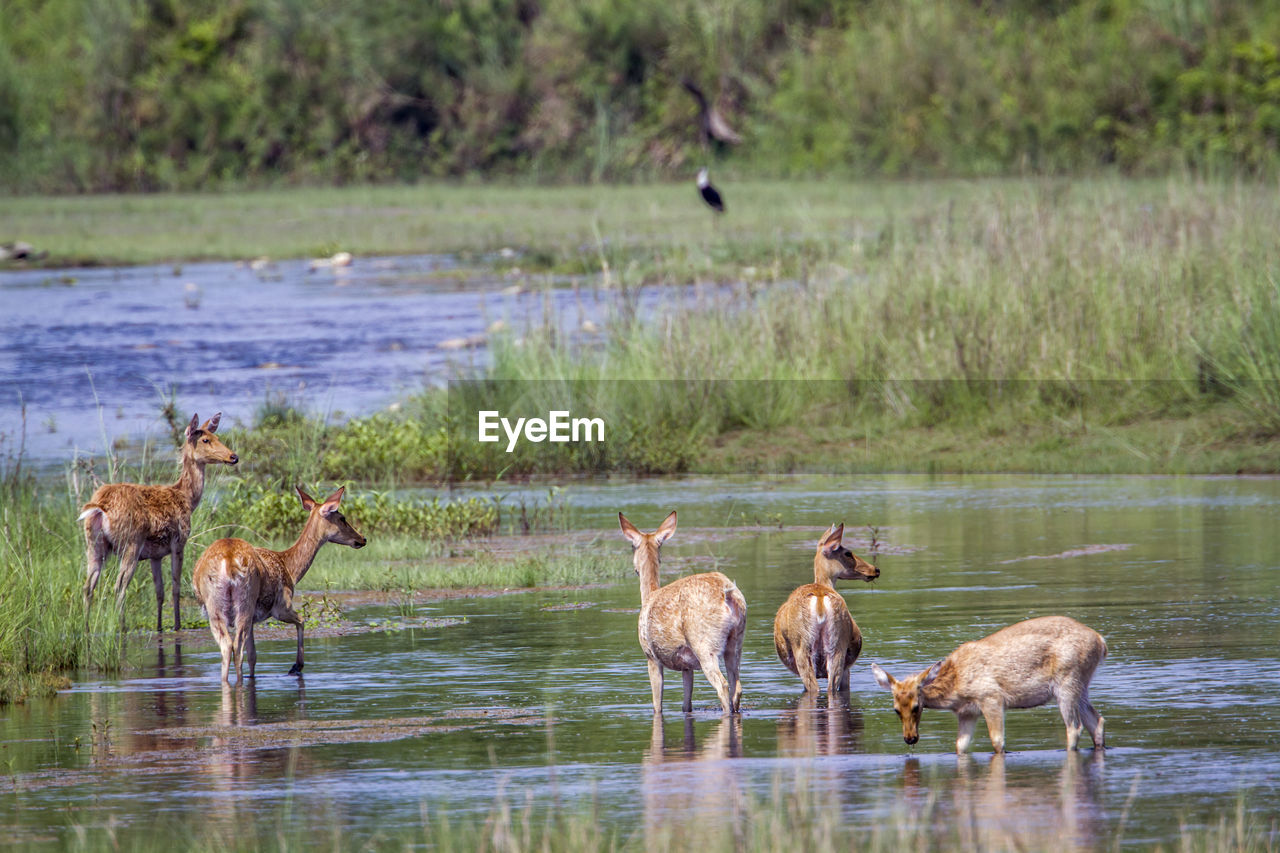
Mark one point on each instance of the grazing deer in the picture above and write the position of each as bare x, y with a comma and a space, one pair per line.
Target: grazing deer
688, 624
1024, 665
151, 522
813, 632
239, 585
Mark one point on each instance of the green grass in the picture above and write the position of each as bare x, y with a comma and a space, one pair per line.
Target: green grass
656, 230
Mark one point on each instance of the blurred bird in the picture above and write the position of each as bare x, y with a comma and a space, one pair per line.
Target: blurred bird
711, 124
709, 193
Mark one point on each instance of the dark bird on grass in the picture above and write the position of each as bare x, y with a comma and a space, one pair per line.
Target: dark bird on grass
709, 193
711, 124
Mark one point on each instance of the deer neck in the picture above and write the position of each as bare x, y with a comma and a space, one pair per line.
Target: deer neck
823, 572
646, 560
941, 692
299, 557
191, 483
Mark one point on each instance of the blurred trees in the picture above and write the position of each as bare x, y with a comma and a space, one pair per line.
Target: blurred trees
184, 94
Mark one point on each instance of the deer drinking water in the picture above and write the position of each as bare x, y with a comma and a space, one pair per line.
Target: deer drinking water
151, 522
1025, 665
240, 585
688, 624
813, 632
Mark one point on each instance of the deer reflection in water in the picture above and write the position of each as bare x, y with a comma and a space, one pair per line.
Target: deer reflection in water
1018, 807
814, 729
691, 791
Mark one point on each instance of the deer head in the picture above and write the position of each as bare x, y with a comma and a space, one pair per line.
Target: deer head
334, 526
833, 561
205, 447
908, 704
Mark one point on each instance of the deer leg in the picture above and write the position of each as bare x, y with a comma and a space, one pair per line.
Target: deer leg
993, 712
964, 737
253, 655
687, 675
711, 669
128, 565
1092, 721
157, 577
836, 674
804, 668
244, 631
175, 570
655, 682
1069, 706
218, 626
733, 666
96, 553
285, 613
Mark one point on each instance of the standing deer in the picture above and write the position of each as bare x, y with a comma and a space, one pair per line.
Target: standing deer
151, 522
688, 624
1025, 665
240, 585
813, 632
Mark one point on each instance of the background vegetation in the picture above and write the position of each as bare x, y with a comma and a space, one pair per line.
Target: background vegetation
162, 94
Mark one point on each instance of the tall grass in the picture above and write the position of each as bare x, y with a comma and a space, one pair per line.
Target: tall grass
1130, 301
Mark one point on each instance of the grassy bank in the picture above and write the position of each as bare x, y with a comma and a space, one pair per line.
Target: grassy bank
656, 231
1005, 325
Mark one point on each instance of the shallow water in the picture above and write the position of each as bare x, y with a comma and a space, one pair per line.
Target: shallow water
530, 702
353, 339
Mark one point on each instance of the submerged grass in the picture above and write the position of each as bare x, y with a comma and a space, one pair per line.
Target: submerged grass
790, 817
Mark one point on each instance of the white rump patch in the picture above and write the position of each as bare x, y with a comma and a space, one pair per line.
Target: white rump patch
815, 602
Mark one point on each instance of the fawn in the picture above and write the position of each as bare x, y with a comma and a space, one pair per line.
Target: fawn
1025, 665
813, 632
240, 585
151, 522
688, 624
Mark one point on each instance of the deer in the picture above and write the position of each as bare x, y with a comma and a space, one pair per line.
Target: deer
1024, 665
240, 585
689, 624
140, 522
813, 633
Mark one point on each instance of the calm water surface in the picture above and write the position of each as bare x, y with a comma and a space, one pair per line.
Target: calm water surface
542, 697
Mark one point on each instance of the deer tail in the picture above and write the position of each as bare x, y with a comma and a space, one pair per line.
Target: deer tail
732, 600
97, 518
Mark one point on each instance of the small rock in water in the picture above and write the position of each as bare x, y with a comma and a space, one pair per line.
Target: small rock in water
340, 259
470, 342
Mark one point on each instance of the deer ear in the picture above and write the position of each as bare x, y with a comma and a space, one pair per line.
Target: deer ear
193, 426
630, 532
883, 678
931, 674
331, 503
831, 539
665, 529
307, 501
211, 425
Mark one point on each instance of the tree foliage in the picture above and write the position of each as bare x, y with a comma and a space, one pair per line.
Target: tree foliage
160, 94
